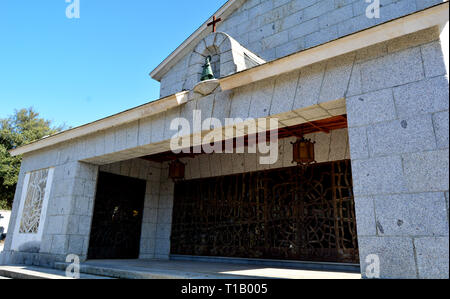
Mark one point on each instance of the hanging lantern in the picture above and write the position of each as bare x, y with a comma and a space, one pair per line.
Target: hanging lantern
304, 152
177, 170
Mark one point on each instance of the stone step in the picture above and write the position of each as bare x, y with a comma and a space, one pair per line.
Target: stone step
154, 269
31, 272
133, 273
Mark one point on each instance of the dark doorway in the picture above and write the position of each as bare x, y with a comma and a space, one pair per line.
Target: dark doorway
116, 225
290, 214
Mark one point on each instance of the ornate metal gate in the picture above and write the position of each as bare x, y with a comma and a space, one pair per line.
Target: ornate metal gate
290, 214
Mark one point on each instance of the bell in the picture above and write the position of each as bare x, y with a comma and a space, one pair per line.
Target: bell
177, 170
304, 152
207, 70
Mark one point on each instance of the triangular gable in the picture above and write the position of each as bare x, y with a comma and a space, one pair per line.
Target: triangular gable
191, 42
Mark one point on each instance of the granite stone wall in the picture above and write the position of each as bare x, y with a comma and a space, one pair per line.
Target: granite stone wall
277, 28
398, 128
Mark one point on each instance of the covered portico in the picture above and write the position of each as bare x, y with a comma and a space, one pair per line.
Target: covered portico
360, 85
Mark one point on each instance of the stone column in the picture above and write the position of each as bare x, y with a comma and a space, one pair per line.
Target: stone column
399, 140
70, 212
164, 215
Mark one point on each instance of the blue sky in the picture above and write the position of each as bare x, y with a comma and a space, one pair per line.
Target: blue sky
75, 71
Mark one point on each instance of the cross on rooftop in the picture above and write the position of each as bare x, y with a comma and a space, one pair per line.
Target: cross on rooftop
214, 22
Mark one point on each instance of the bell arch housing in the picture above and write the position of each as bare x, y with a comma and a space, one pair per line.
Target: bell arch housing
228, 57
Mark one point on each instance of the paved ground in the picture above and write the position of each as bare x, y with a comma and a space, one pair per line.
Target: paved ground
202, 270
30, 272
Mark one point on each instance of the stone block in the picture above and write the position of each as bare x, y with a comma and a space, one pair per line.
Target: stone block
170, 116
432, 257
260, 9
318, 9
371, 108
399, 137
359, 146
382, 175
158, 123
165, 216
147, 247
222, 105
150, 215
292, 46
339, 145
166, 199
336, 79
72, 224
423, 214
240, 104
422, 4
60, 244
163, 230
309, 84
365, 216
293, 19
396, 255
322, 148
148, 230
303, 29
84, 225
392, 70
82, 205
427, 171
76, 244
162, 248
426, 96
152, 201
145, 131
354, 86
154, 176
441, 122
46, 244
262, 98
321, 37
56, 225
336, 16
433, 59
275, 40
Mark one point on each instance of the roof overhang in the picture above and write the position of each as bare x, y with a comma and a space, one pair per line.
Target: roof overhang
434, 16
189, 44
116, 120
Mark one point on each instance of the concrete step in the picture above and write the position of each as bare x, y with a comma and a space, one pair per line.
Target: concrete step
30, 272
155, 269
139, 273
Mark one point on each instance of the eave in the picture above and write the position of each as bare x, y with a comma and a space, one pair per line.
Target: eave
434, 16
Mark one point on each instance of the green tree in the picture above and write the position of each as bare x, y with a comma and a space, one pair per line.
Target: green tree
22, 128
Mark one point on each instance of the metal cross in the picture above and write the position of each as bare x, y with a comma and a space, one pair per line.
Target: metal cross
214, 22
